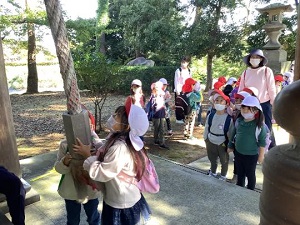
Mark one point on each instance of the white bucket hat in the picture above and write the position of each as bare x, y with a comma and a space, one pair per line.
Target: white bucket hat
252, 101
164, 81
136, 82
138, 123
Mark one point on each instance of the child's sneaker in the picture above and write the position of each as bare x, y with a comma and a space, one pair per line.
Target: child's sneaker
164, 147
210, 174
222, 178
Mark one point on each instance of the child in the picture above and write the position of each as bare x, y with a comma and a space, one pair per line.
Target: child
197, 89
288, 79
193, 97
215, 135
167, 100
123, 202
239, 97
136, 96
249, 148
278, 82
159, 108
69, 189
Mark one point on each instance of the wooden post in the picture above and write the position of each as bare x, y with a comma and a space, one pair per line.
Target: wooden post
8, 146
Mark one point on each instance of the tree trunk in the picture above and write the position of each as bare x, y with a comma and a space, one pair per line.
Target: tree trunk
8, 146
59, 33
297, 53
32, 80
209, 72
103, 43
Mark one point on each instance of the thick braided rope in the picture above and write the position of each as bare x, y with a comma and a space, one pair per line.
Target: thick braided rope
59, 33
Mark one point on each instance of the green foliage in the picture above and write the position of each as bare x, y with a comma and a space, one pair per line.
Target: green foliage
94, 73
16, 83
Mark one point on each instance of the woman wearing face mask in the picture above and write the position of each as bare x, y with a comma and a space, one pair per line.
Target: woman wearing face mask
136, 96
247, 142
261, 77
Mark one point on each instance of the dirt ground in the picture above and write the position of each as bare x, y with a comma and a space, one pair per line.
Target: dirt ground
39, 127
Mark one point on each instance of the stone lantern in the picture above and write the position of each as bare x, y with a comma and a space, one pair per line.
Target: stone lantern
273, 49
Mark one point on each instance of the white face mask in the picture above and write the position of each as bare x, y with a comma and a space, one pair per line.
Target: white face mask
111, 122
238, 106
254, 62
248, 116
137, 90
219, 107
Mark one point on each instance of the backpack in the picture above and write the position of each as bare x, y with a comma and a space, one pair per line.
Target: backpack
182, 106
149, 110
225, 127
149, 182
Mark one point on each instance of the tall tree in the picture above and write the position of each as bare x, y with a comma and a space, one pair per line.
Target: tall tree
32, 79
151, 26
209, 38
102, 23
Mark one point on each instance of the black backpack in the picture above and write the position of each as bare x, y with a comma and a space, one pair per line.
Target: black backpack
182, 106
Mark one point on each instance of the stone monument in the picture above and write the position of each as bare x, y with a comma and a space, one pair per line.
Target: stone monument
277, 57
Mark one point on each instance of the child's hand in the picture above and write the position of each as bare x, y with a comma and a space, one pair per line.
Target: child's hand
260, 158
67, 159
81, 149
229, 150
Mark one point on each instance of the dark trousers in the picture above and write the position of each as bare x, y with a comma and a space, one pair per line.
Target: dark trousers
267, 110
246, 166
73, 209
199, 118
12, 187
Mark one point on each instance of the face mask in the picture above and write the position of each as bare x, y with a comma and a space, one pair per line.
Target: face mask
219, 107
248, 116
238, 106
111, 122
137, 90
254, 62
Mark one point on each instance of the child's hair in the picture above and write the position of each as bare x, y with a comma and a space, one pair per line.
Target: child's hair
123, 134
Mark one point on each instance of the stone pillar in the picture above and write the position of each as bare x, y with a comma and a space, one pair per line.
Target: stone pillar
273, 50
279, 200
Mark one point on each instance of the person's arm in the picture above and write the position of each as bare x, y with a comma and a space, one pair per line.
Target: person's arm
114, 161
176, 77
128, 103
242, 82
271, 85
262, 143
62, 162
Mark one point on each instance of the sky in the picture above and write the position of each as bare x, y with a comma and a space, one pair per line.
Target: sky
87, 8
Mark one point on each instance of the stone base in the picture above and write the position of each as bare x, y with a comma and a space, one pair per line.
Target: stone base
31, 197
276, 60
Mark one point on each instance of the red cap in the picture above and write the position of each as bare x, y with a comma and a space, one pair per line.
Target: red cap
222, 80
221, 93
218, 85
187, 87
278, 78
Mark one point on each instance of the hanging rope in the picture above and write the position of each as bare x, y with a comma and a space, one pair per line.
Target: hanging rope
59, 33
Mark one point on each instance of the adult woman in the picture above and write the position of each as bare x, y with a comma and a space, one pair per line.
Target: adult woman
261, 77
123, 204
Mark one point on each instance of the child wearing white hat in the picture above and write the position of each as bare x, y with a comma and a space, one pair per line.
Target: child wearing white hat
122, 153
248, 138
168, 98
